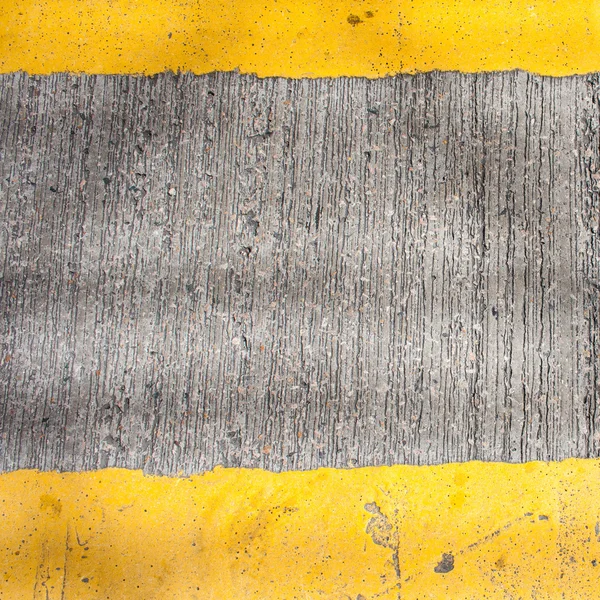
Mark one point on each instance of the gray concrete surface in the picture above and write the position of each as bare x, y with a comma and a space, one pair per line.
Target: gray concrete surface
291, 274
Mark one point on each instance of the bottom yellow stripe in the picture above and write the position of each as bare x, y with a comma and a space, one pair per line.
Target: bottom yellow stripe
474, 530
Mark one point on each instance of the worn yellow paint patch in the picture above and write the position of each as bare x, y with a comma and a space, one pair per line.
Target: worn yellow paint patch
312, 38
474, 530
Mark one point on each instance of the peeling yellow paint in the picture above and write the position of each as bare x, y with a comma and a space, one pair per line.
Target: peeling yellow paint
312, 38
472, 530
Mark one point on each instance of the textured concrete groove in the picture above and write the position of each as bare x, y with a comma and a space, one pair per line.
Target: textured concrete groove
298, 273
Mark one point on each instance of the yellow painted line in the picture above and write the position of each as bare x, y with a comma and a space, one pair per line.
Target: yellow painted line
292, 38
474, 530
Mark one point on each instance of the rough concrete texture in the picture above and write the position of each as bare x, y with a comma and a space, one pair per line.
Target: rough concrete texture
298, 273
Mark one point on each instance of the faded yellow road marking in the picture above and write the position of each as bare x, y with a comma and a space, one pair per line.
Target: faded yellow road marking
457, 531
296, 39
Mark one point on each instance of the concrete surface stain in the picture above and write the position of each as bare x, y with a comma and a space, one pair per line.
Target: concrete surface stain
354, 20
446, 564
50, 504
233, 533
293, 39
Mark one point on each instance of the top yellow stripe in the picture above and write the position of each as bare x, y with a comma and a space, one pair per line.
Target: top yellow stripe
293, 38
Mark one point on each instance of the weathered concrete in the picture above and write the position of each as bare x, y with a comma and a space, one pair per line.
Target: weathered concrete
290, 274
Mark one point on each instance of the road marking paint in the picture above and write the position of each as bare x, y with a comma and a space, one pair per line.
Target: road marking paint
474, 530
312, 38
